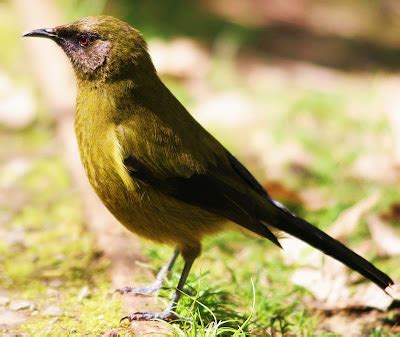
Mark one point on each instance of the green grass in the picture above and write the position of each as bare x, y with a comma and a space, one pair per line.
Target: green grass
248, 295
57, 257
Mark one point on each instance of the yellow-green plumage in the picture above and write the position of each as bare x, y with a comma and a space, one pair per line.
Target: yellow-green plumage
156, 169
107, 134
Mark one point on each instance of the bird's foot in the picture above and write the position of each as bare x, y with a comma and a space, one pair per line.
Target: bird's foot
146, 291
167, 316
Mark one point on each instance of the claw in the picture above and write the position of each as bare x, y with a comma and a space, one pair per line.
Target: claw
124, 319
149, 316
124, 290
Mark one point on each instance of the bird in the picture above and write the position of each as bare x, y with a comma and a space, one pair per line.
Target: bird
156, 169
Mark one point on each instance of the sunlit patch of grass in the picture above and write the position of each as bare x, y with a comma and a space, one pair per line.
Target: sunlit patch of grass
239, 287
56, 257
91, 316
209, 313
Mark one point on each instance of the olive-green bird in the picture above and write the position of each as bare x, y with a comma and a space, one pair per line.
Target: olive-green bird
158, 171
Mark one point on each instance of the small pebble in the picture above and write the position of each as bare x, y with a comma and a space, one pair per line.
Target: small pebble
52, 292
52, 311
22, 305
60, 257
111, 333
17, 109
14, 169
56, 283
83, 293
15, 237
10, 319
4, 300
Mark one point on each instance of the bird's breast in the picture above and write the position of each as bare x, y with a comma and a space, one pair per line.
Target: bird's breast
102, 160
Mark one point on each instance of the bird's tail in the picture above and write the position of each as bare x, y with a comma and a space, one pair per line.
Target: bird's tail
301, 229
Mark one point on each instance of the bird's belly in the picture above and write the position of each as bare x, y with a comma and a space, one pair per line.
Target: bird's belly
138, 206
164, 219
150, 213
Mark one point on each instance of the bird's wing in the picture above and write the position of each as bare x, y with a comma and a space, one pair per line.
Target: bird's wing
209, 177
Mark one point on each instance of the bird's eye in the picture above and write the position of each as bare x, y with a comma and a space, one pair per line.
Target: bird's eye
84, 40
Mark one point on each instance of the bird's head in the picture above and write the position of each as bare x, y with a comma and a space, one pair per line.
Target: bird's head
100, 47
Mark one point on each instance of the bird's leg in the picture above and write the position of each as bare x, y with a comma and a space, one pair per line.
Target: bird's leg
169, 314
157, 284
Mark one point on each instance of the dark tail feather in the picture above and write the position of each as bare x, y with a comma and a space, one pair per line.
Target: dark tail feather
304, 231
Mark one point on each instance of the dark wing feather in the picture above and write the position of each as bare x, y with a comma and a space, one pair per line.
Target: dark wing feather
244, 173
226, 188
205, 191
252, 182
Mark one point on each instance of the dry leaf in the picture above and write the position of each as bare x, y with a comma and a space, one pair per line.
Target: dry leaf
17, 105
393, 214
328, 285
378, 167
274, 158
13, 170
347, 222
369, 295
343, 325
181, 57
391, 106
282, 193
387, 240
229, 109
314, 200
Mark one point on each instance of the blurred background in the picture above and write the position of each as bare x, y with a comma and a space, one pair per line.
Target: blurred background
305, 93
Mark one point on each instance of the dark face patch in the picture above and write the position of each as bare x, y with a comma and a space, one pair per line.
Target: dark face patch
87, 51
103, 48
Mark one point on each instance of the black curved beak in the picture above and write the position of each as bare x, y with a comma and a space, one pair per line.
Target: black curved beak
49, 33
